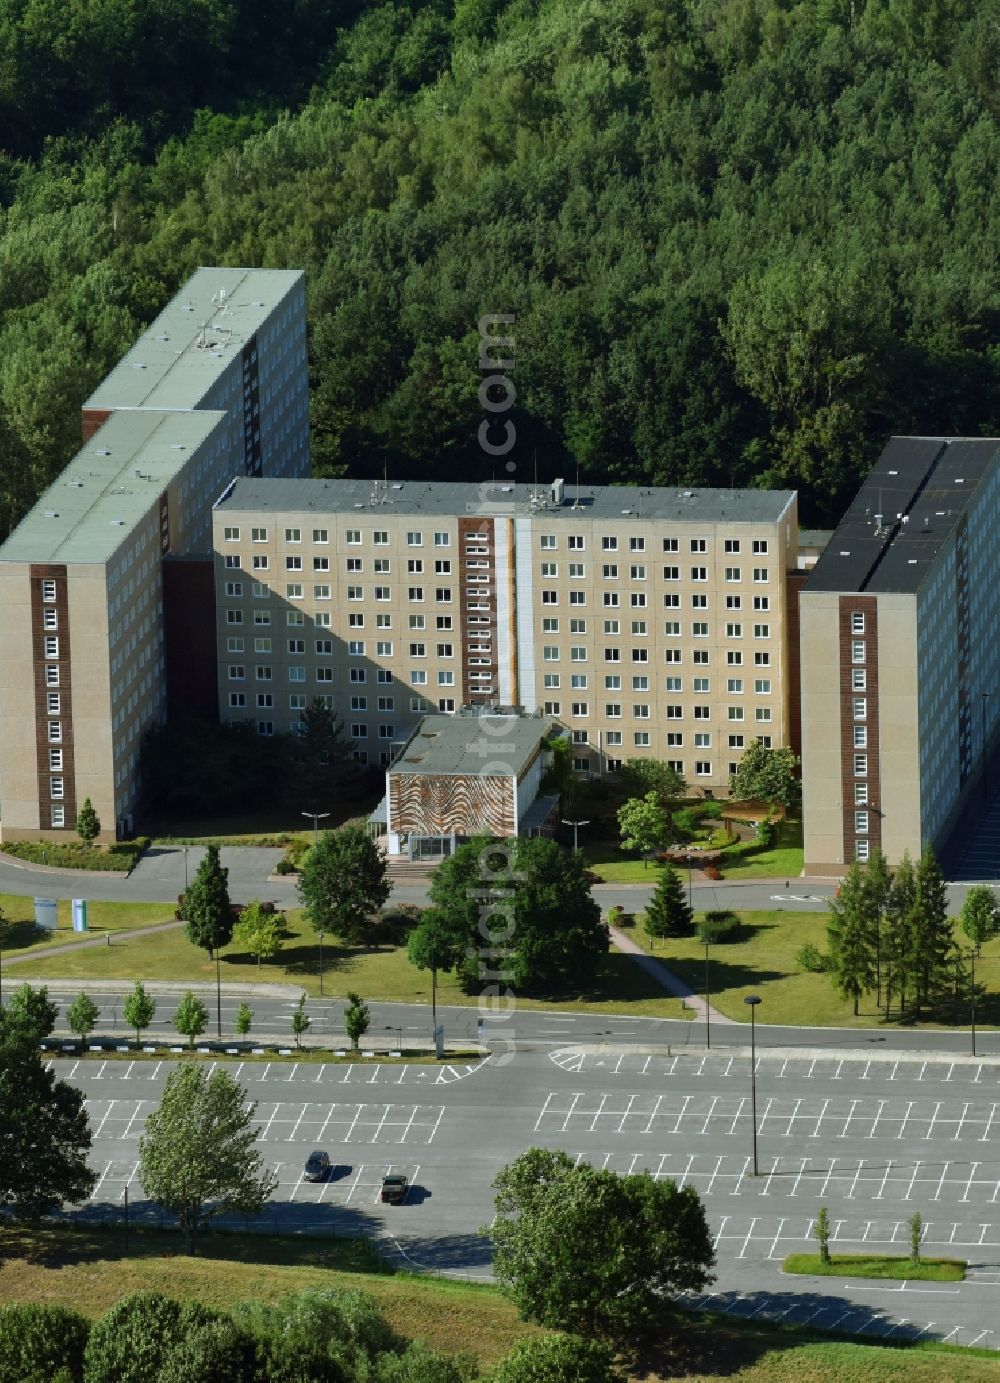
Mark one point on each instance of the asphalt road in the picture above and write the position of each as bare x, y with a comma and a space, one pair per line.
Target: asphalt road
162, 872
410, 1024
872, 1140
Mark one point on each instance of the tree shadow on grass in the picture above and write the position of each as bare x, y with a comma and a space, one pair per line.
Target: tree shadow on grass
722, 974
725, 1345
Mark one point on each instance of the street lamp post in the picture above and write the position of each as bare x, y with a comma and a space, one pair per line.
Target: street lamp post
972, 1002
321, 964
708, 1029
576, 826
218, 985
690, 895
753, 1000
316, 818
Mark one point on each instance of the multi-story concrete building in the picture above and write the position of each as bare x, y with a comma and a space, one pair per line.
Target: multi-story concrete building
650, 622
117, 553
900, 651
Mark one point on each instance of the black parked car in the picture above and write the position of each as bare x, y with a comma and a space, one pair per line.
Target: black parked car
317, 1166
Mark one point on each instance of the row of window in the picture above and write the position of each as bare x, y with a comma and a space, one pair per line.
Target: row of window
579, 653
580, 681
641, 710
610, 571
379, 537
576, 542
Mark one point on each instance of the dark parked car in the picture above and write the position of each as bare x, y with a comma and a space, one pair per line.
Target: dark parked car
317, 1166
394, 1190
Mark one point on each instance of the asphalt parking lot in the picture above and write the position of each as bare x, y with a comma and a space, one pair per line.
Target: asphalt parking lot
871, 1139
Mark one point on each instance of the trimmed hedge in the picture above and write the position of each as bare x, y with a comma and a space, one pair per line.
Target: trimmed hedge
124, 854
717, 926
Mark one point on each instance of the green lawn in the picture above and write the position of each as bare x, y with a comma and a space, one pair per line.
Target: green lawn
85, 1269
764, 963
744, 861
865, 1265
21, 936
377, 973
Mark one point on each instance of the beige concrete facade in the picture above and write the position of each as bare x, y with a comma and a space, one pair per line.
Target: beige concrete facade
661, 637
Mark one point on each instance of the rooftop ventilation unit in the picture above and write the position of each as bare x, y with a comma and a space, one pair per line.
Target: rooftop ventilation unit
558, 491
51, 513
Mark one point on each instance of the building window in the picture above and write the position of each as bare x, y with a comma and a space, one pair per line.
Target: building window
237, 700
575, 542
56, 760
58, 815
234, 589
734, 685
296, 645
231, 535
324, 674
860, 736
675, 712
265, 701
56, 787
861, 765
293, 535
860, 708
732, 545
703, 768
861, 794
296, 673
733, 574
857, 622
859, 679
51, 646
258, 535
54, 703
383, 592
858, 651
735, 712
293, 590
50, 619
580, 708
699, 573
735, 741
320, 535
671, 545
442, 540
262, 672
671, 574
234, 616
262, 645
578, 597
640, 739
55, 732
675, 684
321, 564
612, 655
760, 575
762, 659
861, 823
762, 631
237, 672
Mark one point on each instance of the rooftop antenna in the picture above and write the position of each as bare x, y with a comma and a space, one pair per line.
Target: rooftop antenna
576, 497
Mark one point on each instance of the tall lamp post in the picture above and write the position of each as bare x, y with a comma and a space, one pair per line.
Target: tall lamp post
218, 985
708, 1029
753, 1000
576, 826
316, 818
321, 964
972, 1001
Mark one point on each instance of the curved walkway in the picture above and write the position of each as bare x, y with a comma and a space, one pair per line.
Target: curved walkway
667, 979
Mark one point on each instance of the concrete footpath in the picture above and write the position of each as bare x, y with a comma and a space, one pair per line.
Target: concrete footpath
666, 979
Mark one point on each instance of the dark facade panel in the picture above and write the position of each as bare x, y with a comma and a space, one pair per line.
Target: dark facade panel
189, 638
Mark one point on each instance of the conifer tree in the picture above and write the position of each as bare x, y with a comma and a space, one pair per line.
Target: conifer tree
850, 937
900, 954
668, 912
935, 939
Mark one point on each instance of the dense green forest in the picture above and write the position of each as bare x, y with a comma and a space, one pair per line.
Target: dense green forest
744, 240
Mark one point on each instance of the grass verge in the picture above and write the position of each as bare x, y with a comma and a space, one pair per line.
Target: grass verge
763, 961
261, 826
867, 1265
89, 1270
21, 935
382, 972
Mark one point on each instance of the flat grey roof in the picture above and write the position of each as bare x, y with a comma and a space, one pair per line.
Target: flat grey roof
815, 537
444, 744
903, 515
88, 512
440, 498
172, 364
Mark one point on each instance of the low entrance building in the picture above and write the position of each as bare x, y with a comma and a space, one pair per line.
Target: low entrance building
462, 776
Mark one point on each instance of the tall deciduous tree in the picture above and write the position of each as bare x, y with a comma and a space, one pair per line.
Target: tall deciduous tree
198, 1156
207, 913
644, 824
32, 1012
191, 1018
259, 932
432, 946
768, 775
343, 883
594, 1252
44, 1131
641, 776
139, 1010
668, 912
980, 915
850, 936
82, 1016
357, 1017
